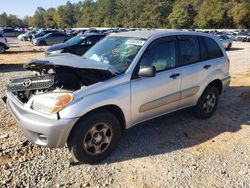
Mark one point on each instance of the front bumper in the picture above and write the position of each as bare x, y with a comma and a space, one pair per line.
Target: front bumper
41, 130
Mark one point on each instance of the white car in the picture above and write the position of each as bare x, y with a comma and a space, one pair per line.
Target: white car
226, 41
3, 44
26, 36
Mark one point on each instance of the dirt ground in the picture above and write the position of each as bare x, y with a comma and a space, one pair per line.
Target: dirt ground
175, 150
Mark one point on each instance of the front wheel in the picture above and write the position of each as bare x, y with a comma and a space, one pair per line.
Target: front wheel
94, 137
229, 46
207, 103
2, 49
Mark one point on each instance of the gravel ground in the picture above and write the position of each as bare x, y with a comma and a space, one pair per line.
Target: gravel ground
176, 150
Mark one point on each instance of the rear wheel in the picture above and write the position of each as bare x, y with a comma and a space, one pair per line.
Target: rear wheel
207, 103
94, 137
2, 49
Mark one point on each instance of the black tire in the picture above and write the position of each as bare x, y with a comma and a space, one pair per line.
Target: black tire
2, 49
81, 135
229, 46
202, 110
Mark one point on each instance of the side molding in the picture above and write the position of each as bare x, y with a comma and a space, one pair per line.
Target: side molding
189, 92
160, 102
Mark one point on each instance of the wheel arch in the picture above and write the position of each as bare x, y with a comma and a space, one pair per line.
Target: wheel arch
217, 83
114, 109
3, 45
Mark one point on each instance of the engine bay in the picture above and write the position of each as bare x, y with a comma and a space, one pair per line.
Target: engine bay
48, 79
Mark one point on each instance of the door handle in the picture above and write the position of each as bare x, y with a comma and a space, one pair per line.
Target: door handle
206, 67
174, 76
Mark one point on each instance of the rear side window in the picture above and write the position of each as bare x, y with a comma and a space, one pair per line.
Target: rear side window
213, 49
189, 50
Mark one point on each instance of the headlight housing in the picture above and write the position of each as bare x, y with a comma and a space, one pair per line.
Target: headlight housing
51, 103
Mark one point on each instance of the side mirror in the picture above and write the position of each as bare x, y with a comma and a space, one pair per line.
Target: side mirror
147, 71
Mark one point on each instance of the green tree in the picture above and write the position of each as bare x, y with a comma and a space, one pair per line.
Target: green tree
27, 21
155, 13
49, 18
241, 14
13, 21
88, 12
65, 15
133, 9
211, 14
38, 18
183, 14
3, 20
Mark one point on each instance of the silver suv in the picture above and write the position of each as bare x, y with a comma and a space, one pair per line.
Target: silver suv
124, 79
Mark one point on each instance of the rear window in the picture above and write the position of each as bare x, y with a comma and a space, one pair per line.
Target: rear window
1, 35
213, 49
189, 50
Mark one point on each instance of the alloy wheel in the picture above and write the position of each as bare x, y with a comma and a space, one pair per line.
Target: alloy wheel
209, 103
98, 138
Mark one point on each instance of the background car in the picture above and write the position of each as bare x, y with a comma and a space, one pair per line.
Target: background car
26, 36
226, 41
42, 33
243, 36
77, 45
10, 32
3, 44
51, 38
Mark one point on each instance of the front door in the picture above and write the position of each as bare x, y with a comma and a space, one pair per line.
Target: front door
160, 94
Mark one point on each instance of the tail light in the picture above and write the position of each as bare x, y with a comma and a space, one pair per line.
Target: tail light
5, 40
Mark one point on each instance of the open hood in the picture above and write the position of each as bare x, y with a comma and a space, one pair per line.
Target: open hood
68, 60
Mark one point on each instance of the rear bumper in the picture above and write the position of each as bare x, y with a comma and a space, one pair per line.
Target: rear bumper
41, 130
225, 82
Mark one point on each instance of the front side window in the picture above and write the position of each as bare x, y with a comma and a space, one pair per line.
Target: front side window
161, 55
189, 50
116, 51
75, 40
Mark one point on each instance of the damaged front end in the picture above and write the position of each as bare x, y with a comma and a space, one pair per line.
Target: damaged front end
51, 86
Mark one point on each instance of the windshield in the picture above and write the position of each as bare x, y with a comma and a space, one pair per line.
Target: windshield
75, 40
116, 51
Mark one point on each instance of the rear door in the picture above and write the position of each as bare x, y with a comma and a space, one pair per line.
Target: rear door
57, 38
197, 66
60, 38
160, 94
50, 38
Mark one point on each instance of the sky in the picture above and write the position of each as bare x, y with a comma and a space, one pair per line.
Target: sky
23, 8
